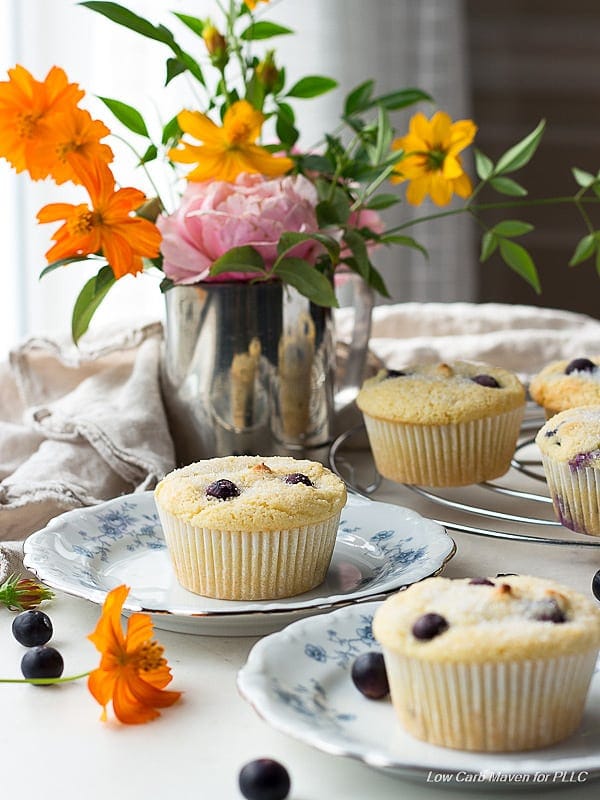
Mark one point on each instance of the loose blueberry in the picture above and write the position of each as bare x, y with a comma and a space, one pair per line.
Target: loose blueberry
264, 779
580, 365
42, 662
394, 373
486, 380
549, 611
596, 585
429, 626
298, 477
481, 582
32, 628
369, 675
222, 489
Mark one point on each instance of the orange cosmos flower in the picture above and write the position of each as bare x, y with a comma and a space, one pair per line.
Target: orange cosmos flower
108, 227
27, 109
253, 3
230, 150
132, 671
432, 164
73, 132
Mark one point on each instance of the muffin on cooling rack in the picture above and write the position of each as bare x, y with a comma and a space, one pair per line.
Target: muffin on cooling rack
443, 424
566, 384
570, 446
490, 664
250, 528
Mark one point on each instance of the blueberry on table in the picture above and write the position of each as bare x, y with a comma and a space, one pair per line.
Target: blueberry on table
429, 626
580, 365
42, 662
486, 380
31, 628
298, 477
222, 489
369, 675
264, 779
481, 582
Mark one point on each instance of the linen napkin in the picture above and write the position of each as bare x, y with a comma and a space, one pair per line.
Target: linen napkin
79, 427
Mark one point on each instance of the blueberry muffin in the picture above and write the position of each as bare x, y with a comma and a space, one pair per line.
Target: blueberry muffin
566, 384
443, 424
250, 528
491, 664
570, 446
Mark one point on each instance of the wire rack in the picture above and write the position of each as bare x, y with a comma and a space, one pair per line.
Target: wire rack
490, 504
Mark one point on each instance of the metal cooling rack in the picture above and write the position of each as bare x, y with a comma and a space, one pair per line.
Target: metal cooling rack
489, 501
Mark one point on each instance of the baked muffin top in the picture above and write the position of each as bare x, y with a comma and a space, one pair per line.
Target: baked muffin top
247, 493
441, 394
487, 619
565, 384
572, 436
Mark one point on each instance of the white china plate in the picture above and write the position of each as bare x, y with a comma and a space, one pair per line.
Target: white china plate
298, 680
87, 552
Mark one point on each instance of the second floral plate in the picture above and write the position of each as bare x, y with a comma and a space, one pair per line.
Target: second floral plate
87, 552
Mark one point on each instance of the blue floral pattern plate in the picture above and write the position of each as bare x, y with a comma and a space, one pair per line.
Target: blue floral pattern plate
298, 680
86, 552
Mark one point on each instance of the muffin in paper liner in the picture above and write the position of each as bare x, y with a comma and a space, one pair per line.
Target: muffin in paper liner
489, 664
444, 455
491, 707
569, 443
256, 565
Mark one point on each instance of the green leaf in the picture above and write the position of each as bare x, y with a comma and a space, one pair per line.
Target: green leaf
358, 247
285, 110
166, 284
381, 201
128, 115
401, 99
239, 259
149, 155
522, 152
312, 86
404, 241
583, 178
174, 68
508, 186
586, 247
171, 131
288, 134
192, 66
334, 211
193, 23
316, 163
263, 30
489, 244
291, 239
88, 300
384, 136
484, 166
375, 281
512, 227
358, 99
307, 280
62, 262
519, 260
122, 16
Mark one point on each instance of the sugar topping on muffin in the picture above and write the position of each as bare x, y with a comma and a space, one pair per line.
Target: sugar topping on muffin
566, 384
572, 436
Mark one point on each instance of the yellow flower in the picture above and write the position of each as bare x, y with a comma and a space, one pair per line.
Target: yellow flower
132, 671
228, 151
253, 3
432, 164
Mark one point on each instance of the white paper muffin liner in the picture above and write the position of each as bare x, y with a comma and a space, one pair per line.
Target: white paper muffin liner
444, 455
575, 495
257, 565
492, 706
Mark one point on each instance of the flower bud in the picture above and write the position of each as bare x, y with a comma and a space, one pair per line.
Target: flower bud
267, 72
216, 44
150, 209
21, 594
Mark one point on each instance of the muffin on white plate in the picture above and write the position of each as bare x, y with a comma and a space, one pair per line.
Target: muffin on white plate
443, 424
250, 528
490, 664
570, 446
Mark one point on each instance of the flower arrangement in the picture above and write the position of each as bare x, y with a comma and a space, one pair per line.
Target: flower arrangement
254, 207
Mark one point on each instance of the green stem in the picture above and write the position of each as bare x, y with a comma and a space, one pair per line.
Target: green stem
543, 201
46, 681
139, 158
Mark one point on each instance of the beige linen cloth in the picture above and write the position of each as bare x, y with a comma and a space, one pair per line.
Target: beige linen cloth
78, 427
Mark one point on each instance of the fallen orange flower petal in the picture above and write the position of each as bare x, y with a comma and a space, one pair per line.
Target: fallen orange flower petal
132, 672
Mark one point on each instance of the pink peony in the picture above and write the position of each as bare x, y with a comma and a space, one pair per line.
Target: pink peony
215, 216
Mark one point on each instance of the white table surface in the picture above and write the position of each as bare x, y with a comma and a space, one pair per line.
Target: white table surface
53, 743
